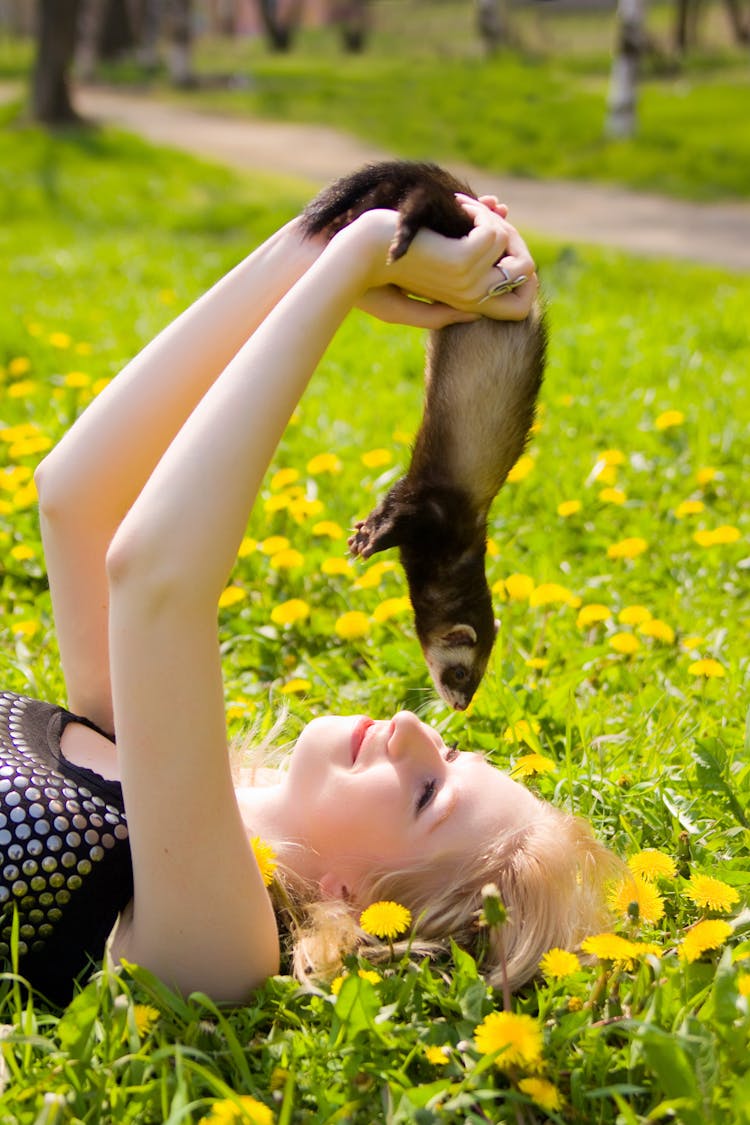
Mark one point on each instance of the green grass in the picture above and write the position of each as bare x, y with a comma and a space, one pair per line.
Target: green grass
424, 89
108, 239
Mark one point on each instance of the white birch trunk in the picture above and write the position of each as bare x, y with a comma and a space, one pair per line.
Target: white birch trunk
623, 85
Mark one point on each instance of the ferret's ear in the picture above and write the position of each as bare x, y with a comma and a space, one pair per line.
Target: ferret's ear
458, 636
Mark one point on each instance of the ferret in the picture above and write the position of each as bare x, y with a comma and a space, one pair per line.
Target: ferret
481, 384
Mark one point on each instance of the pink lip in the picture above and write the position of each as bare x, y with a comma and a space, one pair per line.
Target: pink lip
358, 735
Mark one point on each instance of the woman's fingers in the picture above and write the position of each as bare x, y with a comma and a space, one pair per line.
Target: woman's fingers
391, 305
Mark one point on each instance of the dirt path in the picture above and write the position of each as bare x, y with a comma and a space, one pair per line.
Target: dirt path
651, 225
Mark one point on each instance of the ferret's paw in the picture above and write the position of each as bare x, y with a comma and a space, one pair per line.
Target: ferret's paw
359, 541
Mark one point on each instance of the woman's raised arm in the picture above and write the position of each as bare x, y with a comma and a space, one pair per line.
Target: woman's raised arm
91, 478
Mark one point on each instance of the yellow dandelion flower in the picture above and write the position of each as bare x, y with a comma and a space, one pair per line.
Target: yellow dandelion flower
569, 508
591, 614
636, 889
59, 340
627, 548
22, 552
492, 549
29, 447
323, 463
711, 893
336, 566
290, 612
575, 1004
286, 560
391, 607
99, 385
558, 963
167, 296
352, 625
704, 936
522, 731
25, 497
517, 1037
438, 1056
552, 593
247, 547
566, 400
83, 348
232, 595
296, 686
613, 947
282, 477
668, 419
705, 475
337, 982
743, 984
273, 544
612, 457
718, 536
22, 389
369, 975
25, 629
277, 502
304, 508
542, 1093
19, 365
624, 643
537, 662
77, 380
265, 857
634, 615
612, 496
519, 586
328, 529
521, 469
652, 864
657, 629
710, 669
385, 919
146, 1017
692, 641
529, 764
376, 458
604, 474
403, 437
240, 1110
688, 508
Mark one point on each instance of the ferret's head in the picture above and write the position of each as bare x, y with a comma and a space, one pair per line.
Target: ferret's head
457, 657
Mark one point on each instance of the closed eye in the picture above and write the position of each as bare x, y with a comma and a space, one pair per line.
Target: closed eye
427, 794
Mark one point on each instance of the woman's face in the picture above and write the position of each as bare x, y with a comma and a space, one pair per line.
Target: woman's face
361, 794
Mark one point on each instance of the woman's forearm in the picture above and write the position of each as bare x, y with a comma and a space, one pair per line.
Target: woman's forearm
101, 464
196, 503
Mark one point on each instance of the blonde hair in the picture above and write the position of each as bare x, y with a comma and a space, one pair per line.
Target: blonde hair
551, 876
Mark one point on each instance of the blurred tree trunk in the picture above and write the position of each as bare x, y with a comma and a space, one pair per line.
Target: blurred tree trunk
180, 15
493, 23
57, 29
280, 24
623, 83
739, 21
352, 18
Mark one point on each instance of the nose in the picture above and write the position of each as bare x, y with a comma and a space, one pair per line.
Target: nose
411, 740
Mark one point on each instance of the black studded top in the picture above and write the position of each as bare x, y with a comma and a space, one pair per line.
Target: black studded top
64, 851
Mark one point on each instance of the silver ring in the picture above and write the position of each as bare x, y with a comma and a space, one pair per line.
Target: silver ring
507, 285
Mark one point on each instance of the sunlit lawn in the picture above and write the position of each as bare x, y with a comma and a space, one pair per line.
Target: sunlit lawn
619, 561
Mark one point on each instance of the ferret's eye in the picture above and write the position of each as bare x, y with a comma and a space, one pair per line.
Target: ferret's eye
427, 794
452, 753
459, 674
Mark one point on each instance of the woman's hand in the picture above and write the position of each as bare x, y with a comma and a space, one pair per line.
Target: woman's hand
454, 275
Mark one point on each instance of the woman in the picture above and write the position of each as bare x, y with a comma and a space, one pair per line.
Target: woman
143, 505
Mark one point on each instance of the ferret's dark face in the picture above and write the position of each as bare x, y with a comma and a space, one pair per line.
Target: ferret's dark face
457, 661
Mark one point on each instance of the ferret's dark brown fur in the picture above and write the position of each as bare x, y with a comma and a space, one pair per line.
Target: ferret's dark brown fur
481, 384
